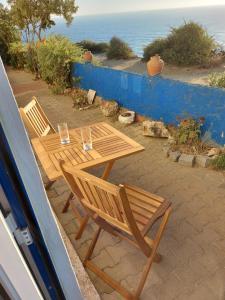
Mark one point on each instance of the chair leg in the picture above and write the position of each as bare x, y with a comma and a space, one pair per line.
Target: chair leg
82, 227
66, 206
152, 255
49, 184
92, 246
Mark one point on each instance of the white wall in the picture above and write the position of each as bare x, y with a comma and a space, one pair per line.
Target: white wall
27, 166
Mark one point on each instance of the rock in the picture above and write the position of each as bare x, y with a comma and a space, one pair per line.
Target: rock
155, 129
203, 161
174, 155
187, 160
67, 91
127, 117
166, 150
214, 151
91, 96
109, 108
171, 140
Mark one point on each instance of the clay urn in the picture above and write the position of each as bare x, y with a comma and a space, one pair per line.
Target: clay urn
155, 65
88, 56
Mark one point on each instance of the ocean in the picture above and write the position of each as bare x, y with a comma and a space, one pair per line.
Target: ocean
139, 28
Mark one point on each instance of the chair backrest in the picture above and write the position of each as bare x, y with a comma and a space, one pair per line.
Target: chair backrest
106, 200
35, 119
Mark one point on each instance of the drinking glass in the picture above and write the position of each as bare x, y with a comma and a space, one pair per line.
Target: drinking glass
86, 138
63, 133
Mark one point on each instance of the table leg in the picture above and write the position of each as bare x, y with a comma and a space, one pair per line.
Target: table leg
107, 170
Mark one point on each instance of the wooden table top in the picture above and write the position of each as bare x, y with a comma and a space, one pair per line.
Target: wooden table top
108, 144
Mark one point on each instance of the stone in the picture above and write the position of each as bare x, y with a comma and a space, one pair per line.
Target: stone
187, 160
166, 150
214, 151
67, 91
127, 117
155, 129
91, 96
109, 108
174, 155
203, 161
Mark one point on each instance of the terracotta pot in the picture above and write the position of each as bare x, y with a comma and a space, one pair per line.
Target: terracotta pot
155, 65
88, 56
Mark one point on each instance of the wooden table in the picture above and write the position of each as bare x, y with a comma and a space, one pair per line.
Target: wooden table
109, 145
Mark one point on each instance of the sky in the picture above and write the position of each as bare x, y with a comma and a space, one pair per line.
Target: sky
88, 7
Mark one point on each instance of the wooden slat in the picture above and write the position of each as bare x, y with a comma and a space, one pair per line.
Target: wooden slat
108, 145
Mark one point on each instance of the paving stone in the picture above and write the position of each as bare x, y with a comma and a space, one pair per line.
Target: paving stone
174, 155
194, 241
187, 160
103, 260
202, 161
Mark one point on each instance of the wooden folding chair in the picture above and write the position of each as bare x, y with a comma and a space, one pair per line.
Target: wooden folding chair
36, 123
125, 211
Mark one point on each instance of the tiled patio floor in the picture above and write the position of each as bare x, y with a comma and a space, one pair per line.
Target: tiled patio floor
193, 246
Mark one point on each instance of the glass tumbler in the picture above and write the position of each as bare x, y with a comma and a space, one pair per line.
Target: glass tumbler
63, 133
86, 138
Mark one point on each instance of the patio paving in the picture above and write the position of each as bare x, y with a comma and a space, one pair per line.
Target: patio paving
193, 246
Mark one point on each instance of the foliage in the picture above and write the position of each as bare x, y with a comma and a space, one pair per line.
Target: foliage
55, 56
218, 163
118, 49
94, 47
217, 80
18, 51
33, 17
8, 33
79, 97
189, 44
189, 131
156, 47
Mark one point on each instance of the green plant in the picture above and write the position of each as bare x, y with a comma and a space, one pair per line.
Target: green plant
18, 52
188, 131
118, 49
55, 56
94, 47
32, 58
156, 47
33, 17
79, 97
8, 33
189, 44
218, 163
217, 80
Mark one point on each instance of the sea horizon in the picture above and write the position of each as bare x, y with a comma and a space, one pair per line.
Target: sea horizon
140, 28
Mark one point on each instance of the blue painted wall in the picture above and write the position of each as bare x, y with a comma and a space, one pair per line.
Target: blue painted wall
157, 97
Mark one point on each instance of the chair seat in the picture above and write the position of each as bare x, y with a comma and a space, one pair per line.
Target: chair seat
146, 207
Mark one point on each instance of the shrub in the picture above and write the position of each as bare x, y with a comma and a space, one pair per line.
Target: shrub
8, 33
189, 44
32, 58
218, 163
156, 47
118, 49
189, 131
217, 80
17, 52
94, 47
55, 56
